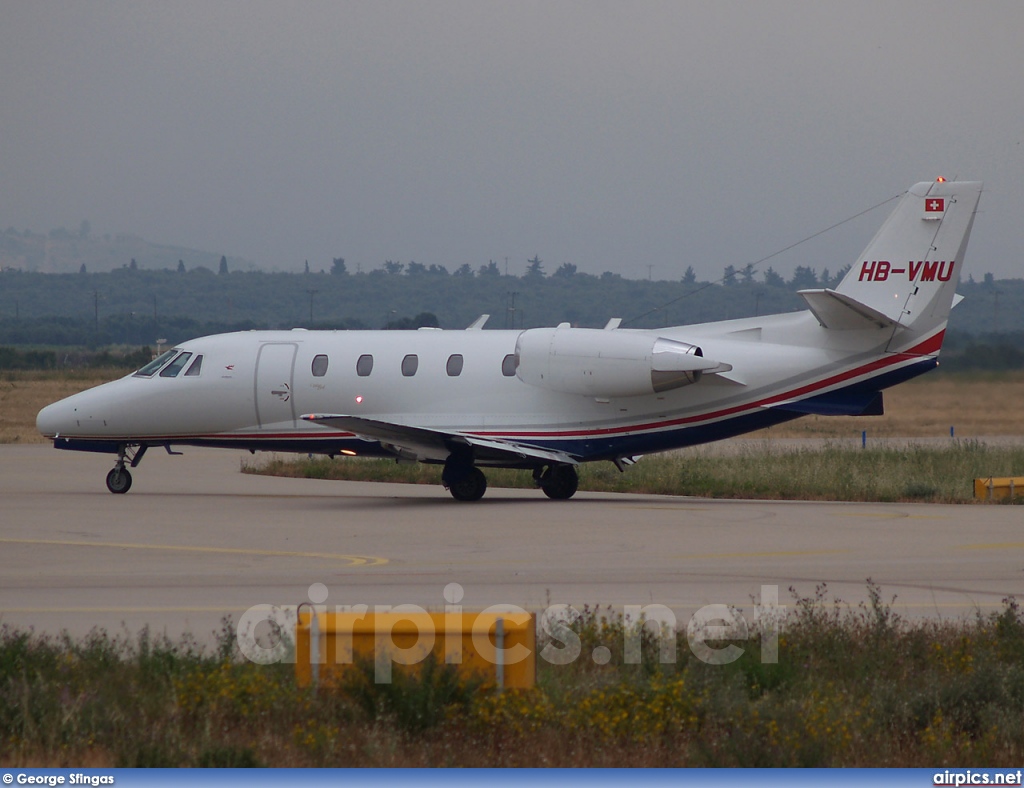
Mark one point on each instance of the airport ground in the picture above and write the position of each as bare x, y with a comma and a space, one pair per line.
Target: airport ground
196, 540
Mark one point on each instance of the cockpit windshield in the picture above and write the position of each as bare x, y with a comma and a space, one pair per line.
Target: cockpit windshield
150, 369
172, 369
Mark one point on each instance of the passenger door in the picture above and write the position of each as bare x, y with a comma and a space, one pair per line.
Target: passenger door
275, 384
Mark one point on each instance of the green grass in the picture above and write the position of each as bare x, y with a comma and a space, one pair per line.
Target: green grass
836, 473
851, 687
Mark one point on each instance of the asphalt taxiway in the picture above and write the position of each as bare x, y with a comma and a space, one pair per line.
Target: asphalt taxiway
196, 540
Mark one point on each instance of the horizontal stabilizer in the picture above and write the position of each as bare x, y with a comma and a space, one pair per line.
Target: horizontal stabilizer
837, 311
437, 445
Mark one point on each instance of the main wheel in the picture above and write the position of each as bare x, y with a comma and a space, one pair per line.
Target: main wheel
119, 481
470, 486
560, 482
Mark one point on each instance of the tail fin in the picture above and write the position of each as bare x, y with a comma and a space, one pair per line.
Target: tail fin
908, 274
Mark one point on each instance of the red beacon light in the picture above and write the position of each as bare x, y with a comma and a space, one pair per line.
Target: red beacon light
940, 179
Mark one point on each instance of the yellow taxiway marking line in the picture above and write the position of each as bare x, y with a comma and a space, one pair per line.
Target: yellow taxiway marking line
892, 515
774, 554
354, 560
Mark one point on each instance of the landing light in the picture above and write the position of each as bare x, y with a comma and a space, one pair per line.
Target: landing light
359, 399
348, 452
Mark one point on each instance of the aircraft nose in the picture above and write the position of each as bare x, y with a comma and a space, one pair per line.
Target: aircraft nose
55, 419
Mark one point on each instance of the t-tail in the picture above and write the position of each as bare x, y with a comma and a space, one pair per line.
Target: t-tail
906, 278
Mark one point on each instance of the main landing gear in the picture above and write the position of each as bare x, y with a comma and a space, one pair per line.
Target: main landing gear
559, 482
466, 482
119, 480
469, 484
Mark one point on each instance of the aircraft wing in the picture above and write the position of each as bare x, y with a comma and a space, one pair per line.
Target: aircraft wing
422, 443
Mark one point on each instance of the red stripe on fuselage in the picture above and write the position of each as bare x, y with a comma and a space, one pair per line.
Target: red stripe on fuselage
927, 347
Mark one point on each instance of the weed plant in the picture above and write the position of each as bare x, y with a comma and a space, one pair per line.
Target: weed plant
851, 687
837, 473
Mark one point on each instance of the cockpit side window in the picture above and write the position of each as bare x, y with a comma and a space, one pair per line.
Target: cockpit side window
195, 368
172, 369
150, 369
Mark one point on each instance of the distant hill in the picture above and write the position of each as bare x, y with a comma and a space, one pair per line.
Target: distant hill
65, 252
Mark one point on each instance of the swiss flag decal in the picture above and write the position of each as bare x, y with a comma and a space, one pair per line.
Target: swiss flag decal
934, 208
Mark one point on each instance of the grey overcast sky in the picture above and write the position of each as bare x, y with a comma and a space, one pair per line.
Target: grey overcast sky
612, 135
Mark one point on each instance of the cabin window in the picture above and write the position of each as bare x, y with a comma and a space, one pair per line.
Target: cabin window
410, 364
508, 365
150, 369
172, 369
454, 366
319, 367
195, 368
364, 366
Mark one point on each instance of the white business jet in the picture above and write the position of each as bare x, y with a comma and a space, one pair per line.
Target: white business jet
545, 399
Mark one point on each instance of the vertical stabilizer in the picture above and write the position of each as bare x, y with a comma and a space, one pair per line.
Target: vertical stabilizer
909, 272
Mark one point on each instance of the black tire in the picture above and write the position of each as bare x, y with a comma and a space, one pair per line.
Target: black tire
471, 486
560, 482
119, 481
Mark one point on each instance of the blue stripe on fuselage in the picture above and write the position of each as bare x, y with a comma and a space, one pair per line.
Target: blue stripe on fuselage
608, 447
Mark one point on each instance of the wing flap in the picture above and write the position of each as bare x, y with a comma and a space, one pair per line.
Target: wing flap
523, 451
437, 445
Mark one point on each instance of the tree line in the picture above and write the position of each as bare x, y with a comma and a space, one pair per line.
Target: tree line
138, 306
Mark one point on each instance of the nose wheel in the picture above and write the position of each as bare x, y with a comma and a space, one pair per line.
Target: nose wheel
119, 480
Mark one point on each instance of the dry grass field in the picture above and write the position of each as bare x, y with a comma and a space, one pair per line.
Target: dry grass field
982, 405
977, 406
24, 394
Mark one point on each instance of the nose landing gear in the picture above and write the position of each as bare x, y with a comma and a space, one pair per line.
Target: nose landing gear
119, 480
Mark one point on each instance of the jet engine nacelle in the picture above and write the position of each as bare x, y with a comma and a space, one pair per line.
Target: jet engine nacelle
601, 363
